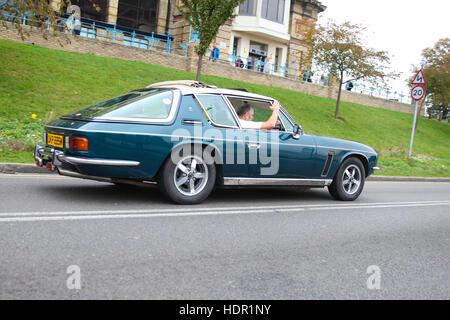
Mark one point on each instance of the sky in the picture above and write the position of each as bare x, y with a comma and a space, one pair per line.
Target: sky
403, 28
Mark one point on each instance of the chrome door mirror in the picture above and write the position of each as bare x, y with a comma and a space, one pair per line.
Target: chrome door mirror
297, 131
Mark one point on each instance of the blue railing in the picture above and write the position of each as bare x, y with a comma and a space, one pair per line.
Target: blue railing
110, 32
307, 76
254, 64
387, 94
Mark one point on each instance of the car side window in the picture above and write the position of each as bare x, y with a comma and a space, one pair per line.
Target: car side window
217, 110
261, 111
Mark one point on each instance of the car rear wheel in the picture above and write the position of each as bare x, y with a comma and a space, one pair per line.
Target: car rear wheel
189, 180
348, 182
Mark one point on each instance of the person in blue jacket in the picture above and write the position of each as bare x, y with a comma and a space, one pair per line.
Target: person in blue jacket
215, 53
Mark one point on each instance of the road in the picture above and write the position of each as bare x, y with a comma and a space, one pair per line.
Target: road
129, 243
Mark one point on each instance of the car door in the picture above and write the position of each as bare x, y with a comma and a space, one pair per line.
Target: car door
298, 153
224, 132
282, 154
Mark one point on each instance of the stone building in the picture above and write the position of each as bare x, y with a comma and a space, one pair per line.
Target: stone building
262, 28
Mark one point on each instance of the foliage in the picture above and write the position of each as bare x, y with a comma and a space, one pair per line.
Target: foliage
206, 16
437, 74
340, 49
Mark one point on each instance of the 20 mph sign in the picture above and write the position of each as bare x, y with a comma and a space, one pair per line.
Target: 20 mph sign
417, 93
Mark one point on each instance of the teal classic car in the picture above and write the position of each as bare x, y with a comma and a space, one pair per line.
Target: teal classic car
186, 137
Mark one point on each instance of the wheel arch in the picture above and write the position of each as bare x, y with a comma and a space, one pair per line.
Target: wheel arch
359, 156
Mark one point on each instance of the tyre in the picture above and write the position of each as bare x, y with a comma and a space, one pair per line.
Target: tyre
348, 182
188, 181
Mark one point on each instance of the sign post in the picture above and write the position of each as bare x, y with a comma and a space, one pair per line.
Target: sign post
417, 93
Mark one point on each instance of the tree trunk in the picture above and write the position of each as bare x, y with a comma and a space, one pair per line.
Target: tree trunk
199, 67
338, 102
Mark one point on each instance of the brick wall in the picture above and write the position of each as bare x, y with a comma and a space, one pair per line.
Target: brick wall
189, 63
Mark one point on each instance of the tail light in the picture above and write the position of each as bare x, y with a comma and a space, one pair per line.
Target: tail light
77, 143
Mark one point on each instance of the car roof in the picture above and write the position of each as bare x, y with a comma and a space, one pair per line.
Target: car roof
196, 87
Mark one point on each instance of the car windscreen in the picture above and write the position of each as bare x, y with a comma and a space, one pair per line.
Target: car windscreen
151, 104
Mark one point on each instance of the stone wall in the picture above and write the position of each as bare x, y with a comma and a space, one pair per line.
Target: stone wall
113, 50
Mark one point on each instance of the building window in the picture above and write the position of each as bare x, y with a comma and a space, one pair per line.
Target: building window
138, 14
273, 10
248, 8
92, 9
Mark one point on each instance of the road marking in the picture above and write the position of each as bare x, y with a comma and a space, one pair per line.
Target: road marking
183, 212
181, 209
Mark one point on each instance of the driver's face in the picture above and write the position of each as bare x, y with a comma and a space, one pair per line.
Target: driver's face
251, 115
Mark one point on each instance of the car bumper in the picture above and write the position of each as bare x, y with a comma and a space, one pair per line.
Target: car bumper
57, 160
47, 155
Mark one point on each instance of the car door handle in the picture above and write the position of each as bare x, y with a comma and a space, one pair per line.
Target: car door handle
194, 122
254, 146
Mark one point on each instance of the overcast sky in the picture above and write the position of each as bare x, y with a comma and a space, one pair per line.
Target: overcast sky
401, 27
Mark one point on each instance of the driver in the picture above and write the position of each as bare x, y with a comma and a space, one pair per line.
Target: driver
246, 114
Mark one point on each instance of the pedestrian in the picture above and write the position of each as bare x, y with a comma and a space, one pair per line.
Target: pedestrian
307, 76
239, 62
249, 63
349, 86
215, 53
268, 66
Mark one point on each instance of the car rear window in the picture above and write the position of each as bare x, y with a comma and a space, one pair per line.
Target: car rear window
152, 104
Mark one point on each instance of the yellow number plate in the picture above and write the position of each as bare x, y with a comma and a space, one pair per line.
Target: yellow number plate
55, 140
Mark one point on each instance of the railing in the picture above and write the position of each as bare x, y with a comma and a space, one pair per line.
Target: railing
382, 93
257, 65
108, 32
307, 76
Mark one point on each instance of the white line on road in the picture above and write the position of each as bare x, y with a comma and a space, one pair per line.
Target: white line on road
183, 209
158, 213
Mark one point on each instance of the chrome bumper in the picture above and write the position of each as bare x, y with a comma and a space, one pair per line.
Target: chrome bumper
48, 155
376, 168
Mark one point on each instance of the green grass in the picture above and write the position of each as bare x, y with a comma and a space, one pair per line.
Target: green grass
48, 83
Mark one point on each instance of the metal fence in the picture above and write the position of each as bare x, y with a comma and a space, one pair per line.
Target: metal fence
108, 32
306, 76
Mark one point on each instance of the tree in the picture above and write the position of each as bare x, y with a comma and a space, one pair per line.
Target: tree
206, 16
437, 74
340, 50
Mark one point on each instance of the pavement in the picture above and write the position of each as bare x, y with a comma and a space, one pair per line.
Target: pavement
12, 168
130, 243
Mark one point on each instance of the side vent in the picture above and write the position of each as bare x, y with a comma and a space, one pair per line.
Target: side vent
327, 166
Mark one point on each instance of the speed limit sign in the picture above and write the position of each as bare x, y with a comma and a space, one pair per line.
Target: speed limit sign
417, 93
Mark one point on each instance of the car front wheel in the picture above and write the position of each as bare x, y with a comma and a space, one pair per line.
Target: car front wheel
348, 182
189, 180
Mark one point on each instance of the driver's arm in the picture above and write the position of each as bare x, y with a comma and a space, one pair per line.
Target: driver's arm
272, 122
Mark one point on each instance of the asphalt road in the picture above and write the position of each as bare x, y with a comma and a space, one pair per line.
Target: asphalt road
129, 243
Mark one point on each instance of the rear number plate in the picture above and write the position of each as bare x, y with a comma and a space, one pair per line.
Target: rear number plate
55, 140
